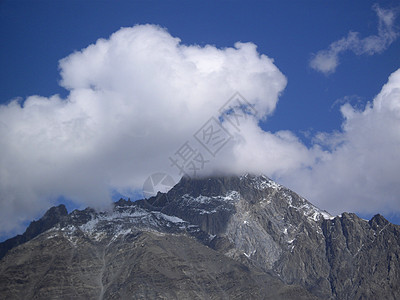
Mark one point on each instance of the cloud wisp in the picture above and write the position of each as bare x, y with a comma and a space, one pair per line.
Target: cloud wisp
326, 61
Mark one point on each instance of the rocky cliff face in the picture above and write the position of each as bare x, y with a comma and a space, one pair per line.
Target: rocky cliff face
131, 252
221, 237
51, 218
264, 224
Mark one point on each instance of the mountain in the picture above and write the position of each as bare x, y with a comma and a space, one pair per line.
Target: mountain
219, 237
51, 218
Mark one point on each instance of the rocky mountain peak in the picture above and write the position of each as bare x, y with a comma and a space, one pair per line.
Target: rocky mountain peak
378, 221
249, 220
49, 219
221, 184
52, 216
205, 186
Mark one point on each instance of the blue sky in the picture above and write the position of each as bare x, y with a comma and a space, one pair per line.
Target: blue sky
36, 35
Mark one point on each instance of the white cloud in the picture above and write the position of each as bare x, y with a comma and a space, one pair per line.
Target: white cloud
354, 169
360, 171
326, 61
134, 99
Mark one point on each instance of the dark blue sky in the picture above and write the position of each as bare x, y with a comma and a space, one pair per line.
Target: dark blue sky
35, 35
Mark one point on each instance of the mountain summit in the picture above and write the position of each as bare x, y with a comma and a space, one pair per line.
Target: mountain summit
218, 237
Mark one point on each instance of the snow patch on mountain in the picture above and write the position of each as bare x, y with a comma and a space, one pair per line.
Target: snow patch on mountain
310, 211
123, 220
231, 196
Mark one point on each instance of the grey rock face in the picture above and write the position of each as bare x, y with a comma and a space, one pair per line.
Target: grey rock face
364, 257
53, 216
220, 237
263, 224
131, 253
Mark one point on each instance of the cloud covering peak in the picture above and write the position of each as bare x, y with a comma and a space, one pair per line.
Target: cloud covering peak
141, 99
133, 100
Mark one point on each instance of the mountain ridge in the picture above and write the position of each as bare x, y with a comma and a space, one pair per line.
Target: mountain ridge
259, 224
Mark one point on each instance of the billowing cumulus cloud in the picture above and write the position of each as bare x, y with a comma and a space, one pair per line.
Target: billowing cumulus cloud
133, 100
142, 99
326, 61
353, 169
359, 171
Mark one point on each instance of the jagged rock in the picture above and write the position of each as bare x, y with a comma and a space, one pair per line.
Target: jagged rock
53, 216
278, 230
364, 257
219, 237
131, 253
